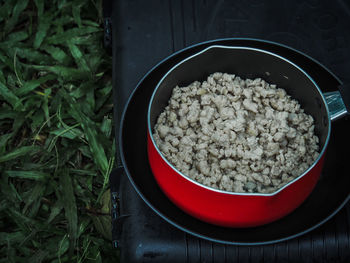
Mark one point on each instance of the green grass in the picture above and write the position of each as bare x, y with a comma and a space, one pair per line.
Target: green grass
56, 133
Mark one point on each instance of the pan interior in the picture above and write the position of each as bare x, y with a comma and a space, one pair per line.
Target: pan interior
329, 195
246, 63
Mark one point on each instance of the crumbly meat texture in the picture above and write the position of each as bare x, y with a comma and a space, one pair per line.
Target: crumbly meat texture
236, 135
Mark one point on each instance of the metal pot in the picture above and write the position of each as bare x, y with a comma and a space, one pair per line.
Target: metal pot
231, 209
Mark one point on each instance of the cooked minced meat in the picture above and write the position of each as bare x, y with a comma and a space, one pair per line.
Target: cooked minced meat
236, 135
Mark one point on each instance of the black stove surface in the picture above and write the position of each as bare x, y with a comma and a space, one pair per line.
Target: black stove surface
144, 33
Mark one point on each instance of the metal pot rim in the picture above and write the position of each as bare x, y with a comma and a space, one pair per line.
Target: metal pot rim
322, 152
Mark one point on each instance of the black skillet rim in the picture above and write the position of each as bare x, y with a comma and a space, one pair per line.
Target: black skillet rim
121, 150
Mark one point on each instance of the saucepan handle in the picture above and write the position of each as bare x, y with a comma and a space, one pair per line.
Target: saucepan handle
338, 102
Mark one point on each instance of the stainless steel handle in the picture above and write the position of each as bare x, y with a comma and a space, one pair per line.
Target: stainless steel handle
336, 105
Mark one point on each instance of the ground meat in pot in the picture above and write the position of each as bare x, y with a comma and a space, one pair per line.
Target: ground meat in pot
236, 135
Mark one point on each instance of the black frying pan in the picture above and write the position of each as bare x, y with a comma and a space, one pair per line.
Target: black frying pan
329, 196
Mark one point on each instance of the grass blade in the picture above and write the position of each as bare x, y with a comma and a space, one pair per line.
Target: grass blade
17, 37
106, 126
8, 192
68, 73
33, 84
62, 38
76, 13
7, 114
24, 222
2, 77
40, 6
12, 237
3, 142
90, 23
63, 247
19, 152
17, 124
97, 150
43, 27
78, 56
102, 222
55, 210
32, 55
9, 96
90, 99
57, 54
45, 106
6, 9
70, 207
32, 175
69, 133
6, 61
17, 10
38, 257
35, 195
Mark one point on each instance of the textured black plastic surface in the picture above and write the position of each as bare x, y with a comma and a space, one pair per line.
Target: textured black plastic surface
145, 237
147, 31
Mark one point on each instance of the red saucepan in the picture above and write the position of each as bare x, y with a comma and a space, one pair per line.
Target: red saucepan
242, 209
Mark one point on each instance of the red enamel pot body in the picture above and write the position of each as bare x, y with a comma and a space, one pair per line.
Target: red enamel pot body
231, 209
